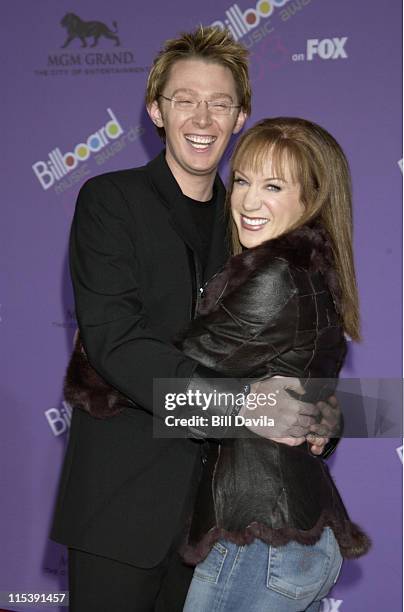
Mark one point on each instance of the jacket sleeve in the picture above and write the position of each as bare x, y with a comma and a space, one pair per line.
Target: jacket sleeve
120, 344
249, 326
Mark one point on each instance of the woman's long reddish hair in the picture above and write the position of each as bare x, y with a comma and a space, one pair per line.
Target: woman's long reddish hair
318, 164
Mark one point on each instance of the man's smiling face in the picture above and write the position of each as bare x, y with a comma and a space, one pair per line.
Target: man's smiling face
196, 139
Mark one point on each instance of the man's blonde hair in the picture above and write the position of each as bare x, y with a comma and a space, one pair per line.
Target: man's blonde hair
210, 45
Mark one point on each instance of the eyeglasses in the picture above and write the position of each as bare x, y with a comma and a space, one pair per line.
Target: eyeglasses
188, 105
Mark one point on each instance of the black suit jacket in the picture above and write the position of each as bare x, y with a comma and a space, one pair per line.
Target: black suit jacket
135, 273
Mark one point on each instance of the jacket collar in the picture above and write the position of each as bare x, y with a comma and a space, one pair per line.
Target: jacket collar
308, 247
170, 194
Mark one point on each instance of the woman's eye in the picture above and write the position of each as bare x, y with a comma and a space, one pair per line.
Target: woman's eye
239, 180
272, 187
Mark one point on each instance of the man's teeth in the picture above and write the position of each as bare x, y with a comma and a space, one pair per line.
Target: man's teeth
254, 222
200, 142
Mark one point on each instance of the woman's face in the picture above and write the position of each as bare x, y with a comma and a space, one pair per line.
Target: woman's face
264, 205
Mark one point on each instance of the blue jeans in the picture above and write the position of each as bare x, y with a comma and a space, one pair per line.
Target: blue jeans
263, 578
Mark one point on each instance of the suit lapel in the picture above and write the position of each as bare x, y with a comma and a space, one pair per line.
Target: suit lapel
170, 194
219, 250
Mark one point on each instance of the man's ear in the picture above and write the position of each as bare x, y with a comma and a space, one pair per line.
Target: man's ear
155, 114
241, 119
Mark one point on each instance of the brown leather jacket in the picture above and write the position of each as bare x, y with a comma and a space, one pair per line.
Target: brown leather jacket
273, 310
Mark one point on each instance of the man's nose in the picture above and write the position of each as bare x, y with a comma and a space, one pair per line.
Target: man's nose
202, 115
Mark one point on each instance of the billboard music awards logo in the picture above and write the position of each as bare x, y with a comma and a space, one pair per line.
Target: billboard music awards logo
70, 320
63, 170
58, 567
241, 22
85, 35
325, 49
59, 419
331, 605
252, 25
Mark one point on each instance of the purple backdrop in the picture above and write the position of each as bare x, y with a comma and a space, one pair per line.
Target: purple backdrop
337, 63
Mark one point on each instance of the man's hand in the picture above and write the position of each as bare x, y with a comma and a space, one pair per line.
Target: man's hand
293, 419
328, 427
317, 443
330, 419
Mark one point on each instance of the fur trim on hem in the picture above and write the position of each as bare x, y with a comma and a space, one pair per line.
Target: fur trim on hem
352, 540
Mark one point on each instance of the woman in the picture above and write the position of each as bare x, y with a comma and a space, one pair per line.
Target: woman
269, 529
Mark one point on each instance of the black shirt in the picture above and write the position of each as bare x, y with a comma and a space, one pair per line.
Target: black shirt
203, 214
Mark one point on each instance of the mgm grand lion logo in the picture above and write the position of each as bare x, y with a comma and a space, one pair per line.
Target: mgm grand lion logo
77, 28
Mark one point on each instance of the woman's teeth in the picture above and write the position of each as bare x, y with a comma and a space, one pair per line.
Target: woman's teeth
253, 223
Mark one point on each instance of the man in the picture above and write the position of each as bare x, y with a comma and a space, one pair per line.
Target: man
142, 243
